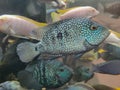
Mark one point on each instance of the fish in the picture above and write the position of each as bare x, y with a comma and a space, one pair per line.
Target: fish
83, 11
18, 26
55, 3
86, 70
11, 85
69, 36
110, 51
45, 74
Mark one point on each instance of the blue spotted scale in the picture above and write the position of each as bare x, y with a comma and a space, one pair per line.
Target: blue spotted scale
69, 36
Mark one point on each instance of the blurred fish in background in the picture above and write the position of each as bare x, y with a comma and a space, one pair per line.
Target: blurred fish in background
45, 74
18, 26
85, 69
82, 11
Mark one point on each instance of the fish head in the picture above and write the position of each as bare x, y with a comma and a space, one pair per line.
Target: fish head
83, 73
93, 32
87, 11
63, 74
93, 12
3, 23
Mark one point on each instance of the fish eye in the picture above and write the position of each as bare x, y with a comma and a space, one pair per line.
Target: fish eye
93, 10
61, 69
93, 27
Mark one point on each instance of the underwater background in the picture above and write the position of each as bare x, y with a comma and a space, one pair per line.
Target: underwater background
59, 45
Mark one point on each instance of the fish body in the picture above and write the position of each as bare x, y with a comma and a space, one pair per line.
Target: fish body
45, 73
85, 11
18, 26
68, 36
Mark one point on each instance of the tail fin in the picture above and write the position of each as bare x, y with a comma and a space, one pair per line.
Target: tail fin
28, 82
26, 51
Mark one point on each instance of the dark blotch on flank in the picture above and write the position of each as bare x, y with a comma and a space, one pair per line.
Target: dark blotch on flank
59, 35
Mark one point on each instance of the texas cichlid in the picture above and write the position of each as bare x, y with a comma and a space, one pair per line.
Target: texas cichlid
69, 36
